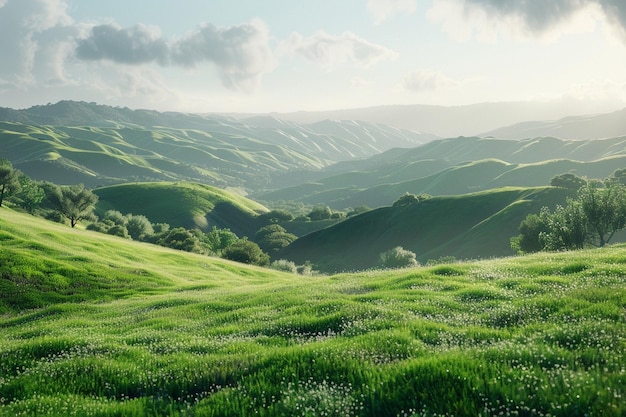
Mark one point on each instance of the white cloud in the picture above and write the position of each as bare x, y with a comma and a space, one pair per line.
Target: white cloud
24, 27
427, 80
136, 45
241, 53
331, 51
488, 20
383, 9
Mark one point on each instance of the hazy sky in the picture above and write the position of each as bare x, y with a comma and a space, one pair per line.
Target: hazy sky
289, 55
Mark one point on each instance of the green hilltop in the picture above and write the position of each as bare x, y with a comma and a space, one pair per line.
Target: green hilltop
92, 324
180, 204
475, 225
454, 166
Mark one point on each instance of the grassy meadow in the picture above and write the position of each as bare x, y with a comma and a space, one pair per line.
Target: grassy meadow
92, 325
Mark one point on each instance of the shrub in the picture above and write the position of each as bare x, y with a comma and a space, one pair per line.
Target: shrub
247, 252
398, 257
284, 265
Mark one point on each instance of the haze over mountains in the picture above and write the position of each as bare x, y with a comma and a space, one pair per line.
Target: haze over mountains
478, 119
487, 184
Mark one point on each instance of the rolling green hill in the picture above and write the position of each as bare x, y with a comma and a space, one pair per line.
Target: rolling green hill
76, 142
187, 205
455, 166
475, 225
91, 324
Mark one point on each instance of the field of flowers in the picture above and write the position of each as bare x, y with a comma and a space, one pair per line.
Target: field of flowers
540, 335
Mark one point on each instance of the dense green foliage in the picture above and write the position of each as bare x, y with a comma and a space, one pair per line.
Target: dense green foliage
592, 218
247, 252
9, 180
97, 325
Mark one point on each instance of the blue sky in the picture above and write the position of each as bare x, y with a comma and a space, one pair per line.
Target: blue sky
291, 55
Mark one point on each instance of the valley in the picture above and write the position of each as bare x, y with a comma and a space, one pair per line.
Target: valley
106, 320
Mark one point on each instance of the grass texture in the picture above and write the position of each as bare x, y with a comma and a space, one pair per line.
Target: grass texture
92, 325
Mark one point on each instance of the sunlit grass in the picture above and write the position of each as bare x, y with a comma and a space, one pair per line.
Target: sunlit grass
115, 328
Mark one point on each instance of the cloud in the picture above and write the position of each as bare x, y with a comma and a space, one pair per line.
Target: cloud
241, 53
383, 9
331, 51
427, 80
488, 19
24, 27
136, 45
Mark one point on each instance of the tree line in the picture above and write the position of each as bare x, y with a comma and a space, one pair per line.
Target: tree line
590, 219
74, 203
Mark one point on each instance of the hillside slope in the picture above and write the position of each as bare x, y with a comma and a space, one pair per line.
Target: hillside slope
72, 142
187, 205
91, 324
476, 225
455, 166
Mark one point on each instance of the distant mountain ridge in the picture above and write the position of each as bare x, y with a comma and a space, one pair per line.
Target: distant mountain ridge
455, 166
97, 145
462, 120
597, 126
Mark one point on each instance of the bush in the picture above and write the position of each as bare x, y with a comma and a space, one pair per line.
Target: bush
284, 265
398, 257
247, 252
139, 227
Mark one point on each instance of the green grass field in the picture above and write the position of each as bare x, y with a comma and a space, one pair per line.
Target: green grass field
92, 325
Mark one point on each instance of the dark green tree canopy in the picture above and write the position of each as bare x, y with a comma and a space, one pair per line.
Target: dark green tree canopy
320, 213
246, 251
9, 180
568, 181
409, 199
592, 218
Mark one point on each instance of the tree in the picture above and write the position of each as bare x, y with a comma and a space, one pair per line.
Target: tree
409, 199
358, 210
568, 181
9, 180
567, 227
181, 239
246, 251
320, 213
398, 257
139, 227
116, 217
273, 238
31, 194
530, 230
619, 175
74, 202
604, 209
275, 216
219, 239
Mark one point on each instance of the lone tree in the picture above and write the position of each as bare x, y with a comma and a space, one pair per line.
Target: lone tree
74, 202
9, 180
